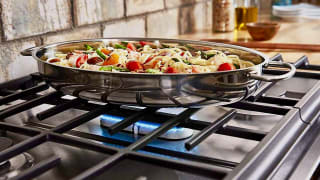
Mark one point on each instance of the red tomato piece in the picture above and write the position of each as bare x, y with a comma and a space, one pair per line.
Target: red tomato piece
182, 53
94, 60
133, 66
54, 60
195, 70
143, 43
81, 60
131, 47
171, 70
149, 59
226, 67
151, 65
163, 54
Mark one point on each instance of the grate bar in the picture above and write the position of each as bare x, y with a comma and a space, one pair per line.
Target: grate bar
195, 140
58, 108
244, 133
38, 169
100, 167
80, 119
260, 108
228, 130
97, 147
17, 95
129, 120
191, 157
15, 83
163, 128
81, 143
312, 67
279, 100
301, 62
277, 57
18, 129
21, 147
28, 104
186, 166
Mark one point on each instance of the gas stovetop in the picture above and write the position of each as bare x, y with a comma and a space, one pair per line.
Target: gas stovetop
46, 135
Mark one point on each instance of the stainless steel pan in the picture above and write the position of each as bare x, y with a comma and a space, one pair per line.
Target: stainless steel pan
160, 90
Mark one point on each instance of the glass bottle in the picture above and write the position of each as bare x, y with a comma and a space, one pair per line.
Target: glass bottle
222, 15
245, 11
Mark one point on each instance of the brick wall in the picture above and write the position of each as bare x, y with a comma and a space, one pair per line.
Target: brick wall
27, 23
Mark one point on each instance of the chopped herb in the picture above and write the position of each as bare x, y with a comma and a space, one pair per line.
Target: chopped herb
176, 59
203, 55
118, 46
120, 69
88, 47
106, 68
153, 71
237, 66
165, 45
210, 55
189, 47
137, 45
187, 62
110, 68
101, 54
124, 43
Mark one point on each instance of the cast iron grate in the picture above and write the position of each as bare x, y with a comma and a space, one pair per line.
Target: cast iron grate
29, 86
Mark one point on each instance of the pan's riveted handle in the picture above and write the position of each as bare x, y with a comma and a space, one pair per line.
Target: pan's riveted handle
27, 52
287, 75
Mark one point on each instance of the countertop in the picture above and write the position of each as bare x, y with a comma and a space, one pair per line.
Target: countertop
306, 32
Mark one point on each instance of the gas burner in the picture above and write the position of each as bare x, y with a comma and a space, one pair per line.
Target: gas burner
144, 127
15, 165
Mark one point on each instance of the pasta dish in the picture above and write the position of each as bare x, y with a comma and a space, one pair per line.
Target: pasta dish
148, 57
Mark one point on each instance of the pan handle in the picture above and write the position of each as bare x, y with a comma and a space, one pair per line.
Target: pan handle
276, 78
27, 52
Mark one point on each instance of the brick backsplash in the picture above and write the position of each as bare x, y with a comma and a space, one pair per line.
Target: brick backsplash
12, 64
93, 11
26, 23
89, 32
163, 24
30, 17
135, 7
134, 27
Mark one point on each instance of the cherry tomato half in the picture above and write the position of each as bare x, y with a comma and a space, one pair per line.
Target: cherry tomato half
226, 67
94, 60
81, 60
133, 66
171, 70
131, 47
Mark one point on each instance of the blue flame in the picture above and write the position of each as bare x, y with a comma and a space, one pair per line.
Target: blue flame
143, 124
163, 144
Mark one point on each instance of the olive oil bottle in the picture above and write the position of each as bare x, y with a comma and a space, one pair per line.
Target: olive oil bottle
246, 11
